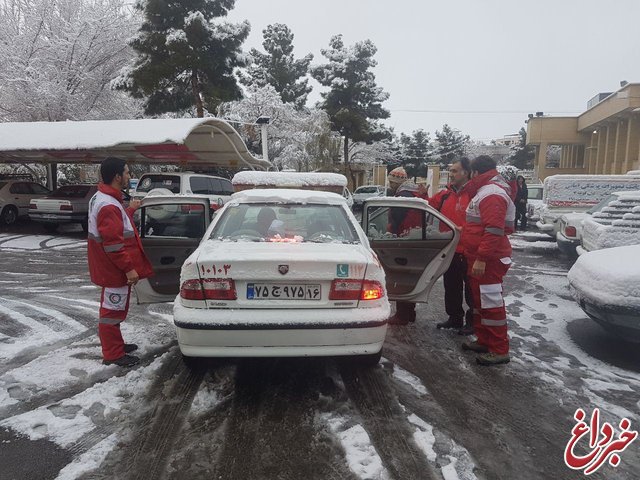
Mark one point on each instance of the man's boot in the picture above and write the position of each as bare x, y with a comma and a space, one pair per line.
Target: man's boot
468, 327
450, 323
490, 359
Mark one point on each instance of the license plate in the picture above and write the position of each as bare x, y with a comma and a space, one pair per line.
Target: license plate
270, 291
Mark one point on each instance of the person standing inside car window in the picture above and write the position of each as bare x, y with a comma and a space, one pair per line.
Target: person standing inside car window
401, 221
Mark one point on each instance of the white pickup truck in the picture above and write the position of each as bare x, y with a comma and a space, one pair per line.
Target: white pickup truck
67, 204
566, 194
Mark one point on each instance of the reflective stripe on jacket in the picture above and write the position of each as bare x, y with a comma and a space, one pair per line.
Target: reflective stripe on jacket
113, 245
490, 217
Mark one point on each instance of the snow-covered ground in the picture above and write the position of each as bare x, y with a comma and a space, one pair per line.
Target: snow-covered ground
54, 388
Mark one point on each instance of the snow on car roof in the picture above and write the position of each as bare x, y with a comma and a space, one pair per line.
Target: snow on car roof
610, 276
277, 195
289, 179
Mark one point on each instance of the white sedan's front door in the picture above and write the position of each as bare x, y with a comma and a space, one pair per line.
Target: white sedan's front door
414, 242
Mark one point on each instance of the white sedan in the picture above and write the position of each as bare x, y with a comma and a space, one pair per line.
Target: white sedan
606, 285
289, 272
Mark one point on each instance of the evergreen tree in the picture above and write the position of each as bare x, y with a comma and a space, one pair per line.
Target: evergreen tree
522, 155
185, 59
451, 144
278, 67
354, 101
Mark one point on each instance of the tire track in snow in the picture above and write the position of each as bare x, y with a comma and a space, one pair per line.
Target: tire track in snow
51, 397
271, 431
72, 324
385, 422
155, 440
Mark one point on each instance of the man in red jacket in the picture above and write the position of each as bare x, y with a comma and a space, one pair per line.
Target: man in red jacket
452, 202
490, 218
116, 259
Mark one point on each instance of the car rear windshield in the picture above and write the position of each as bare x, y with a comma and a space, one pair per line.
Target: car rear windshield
71, 191
293, 223
367, 190
535, 193
149, 182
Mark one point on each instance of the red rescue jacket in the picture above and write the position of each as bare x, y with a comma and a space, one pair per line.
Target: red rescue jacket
490, 217
402, 220
113, 246
452, 204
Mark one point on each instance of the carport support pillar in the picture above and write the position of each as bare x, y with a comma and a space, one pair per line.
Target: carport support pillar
52, 176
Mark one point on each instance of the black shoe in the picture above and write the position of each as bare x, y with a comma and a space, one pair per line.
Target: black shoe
130, 347
124, 361
466, 330
450, 323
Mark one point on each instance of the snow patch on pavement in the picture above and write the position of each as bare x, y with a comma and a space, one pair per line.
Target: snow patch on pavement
454, 461
362, 458
66, 422
410, 379
89, 460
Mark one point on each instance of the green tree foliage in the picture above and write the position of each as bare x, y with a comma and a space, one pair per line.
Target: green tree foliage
522, 155
278, 67
451, 144
185, 57
354, 101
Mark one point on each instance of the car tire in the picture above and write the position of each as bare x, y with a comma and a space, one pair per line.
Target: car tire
85, 226
370, 360
50, 227
192, 363
9, 215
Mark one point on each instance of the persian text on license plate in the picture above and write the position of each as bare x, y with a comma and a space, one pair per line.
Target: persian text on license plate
266, 291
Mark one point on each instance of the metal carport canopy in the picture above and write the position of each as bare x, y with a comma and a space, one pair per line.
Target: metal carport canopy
184, 141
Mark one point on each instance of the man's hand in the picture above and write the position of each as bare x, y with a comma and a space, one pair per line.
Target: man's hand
132, 277
477, 270
134, 204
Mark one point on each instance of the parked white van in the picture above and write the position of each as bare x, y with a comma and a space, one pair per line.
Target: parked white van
578, 193
217, 189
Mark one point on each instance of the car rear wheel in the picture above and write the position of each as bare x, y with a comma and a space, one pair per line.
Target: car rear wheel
191, 363
9, 215
85, 227
370, 360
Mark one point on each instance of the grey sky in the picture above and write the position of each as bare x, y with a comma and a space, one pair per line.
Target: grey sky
471, 55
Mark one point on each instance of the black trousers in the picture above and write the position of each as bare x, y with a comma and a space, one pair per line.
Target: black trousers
521, 215
456, 288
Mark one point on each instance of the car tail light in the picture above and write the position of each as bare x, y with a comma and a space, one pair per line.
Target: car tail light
350, 289
68, 208
219, 289
570, 232
33, 206
345, 289
371, 290
192, 290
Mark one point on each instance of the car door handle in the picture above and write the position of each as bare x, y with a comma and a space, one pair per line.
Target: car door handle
167, 260
401, 261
